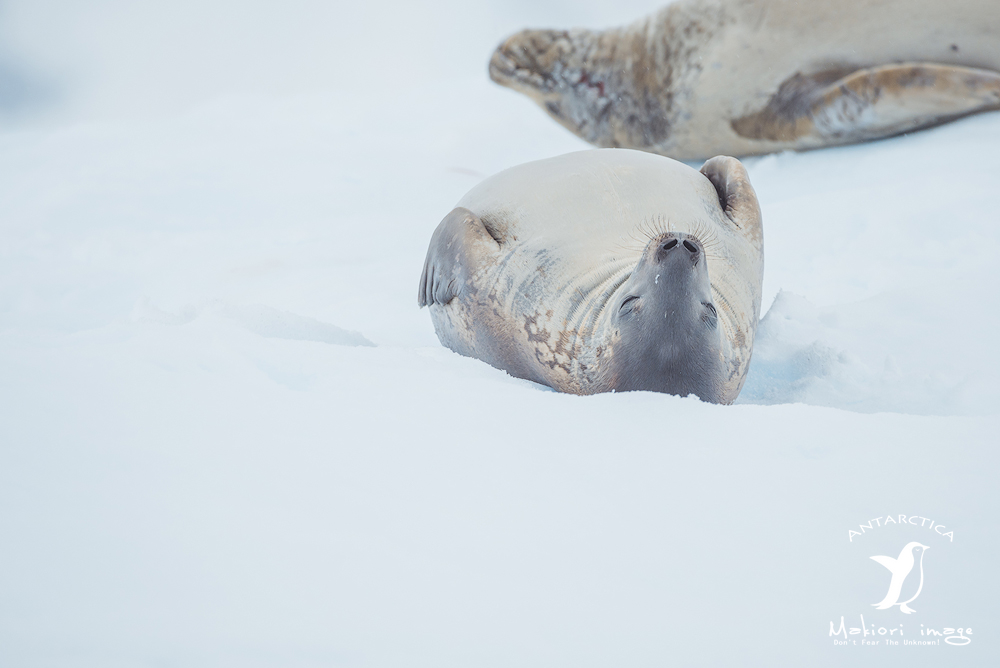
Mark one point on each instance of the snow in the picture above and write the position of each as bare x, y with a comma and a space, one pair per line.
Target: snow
229, 437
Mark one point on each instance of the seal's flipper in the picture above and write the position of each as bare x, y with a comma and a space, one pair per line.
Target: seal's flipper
459, 237
736, 196
838, 107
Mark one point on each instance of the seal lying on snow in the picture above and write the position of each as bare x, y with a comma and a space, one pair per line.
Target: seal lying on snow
604, 270
743, 77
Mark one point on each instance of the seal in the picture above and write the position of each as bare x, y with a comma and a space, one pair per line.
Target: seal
745, 77
604, 270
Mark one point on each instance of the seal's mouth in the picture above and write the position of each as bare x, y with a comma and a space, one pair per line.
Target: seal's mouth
506, 70
503, 67
525, 61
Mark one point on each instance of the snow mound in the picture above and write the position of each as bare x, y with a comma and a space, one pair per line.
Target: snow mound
800, 357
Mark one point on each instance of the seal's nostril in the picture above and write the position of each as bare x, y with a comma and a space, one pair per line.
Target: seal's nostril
690, 246
670, 244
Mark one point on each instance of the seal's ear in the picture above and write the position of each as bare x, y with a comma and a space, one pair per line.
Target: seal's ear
459, 244
736, 195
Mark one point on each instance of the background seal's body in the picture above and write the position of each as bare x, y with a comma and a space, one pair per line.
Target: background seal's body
742, 77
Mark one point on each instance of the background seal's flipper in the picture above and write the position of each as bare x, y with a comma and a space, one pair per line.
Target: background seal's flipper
871, 103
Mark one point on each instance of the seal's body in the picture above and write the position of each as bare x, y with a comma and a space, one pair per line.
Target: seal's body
604, 270
743, 77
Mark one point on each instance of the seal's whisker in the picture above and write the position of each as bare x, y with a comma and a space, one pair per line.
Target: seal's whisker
648, 229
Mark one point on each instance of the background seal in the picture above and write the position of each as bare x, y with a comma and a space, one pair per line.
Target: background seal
743, 77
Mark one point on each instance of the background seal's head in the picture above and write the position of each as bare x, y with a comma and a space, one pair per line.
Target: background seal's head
551, 68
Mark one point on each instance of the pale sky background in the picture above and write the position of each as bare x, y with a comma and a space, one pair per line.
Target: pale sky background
62, 61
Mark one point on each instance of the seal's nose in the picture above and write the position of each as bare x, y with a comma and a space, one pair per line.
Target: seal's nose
691, 246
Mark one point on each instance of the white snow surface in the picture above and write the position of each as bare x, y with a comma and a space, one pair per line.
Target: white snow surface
229, 437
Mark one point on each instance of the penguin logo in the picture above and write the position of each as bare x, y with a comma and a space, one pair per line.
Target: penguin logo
900, 568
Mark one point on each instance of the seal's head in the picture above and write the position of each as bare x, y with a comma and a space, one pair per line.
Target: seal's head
551, 67
667, 336
579, 78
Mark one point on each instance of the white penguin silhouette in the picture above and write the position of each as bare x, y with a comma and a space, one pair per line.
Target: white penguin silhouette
900, 567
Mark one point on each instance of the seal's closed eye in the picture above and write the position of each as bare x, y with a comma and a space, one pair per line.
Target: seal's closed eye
710, 317
628, 305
